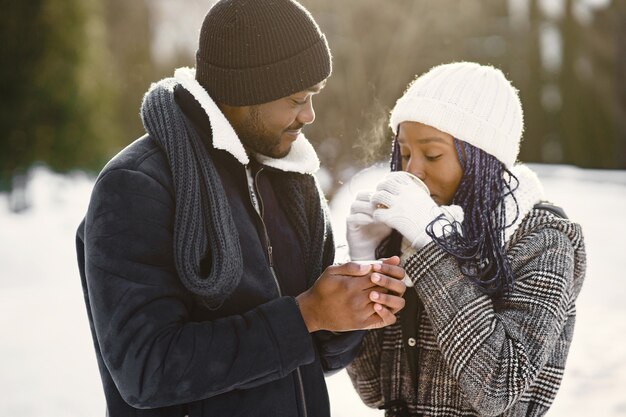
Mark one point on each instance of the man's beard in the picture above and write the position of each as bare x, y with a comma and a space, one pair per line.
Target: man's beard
256, 137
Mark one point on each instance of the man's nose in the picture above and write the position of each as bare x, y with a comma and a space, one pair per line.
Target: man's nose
307, 113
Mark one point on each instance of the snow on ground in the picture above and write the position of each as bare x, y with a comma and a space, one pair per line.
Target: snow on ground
47, 361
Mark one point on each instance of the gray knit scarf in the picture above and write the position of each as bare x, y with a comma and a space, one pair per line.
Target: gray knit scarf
204, 230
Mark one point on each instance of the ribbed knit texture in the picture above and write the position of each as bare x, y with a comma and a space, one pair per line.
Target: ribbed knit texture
306, 208
256, 51
473, 103
203, 225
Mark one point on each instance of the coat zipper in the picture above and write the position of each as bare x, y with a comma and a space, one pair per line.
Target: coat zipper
271, 264
269, 249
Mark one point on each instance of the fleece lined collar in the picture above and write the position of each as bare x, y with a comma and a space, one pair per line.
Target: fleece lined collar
529, 193
302, 158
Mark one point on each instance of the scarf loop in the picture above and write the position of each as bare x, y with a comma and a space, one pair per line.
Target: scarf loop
204, 229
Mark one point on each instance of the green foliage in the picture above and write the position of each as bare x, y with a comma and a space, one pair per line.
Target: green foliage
128, 39
54, 103
76, 71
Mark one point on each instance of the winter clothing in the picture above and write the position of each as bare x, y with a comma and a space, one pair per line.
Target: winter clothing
256, 51
459, 349
473, 103
363, 233
478, 355
160, 350
409, 209
201, 203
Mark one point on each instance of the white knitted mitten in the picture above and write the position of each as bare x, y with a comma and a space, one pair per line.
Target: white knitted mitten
404, 203
363, 233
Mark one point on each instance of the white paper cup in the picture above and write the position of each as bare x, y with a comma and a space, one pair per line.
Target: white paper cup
418, 181
368, 262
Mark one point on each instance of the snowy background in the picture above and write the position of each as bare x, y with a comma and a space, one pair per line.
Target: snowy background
47, 362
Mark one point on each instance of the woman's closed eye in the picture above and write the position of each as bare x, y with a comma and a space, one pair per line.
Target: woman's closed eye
433, 157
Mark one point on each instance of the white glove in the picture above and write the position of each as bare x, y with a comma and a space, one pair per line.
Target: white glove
404, 203
362, 232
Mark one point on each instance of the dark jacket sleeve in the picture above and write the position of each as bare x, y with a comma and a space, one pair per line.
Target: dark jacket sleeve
155, 354
337, 350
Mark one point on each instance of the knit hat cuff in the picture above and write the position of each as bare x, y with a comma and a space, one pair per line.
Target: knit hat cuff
262, 84
458, 123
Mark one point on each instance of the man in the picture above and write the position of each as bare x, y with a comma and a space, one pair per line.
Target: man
205, 251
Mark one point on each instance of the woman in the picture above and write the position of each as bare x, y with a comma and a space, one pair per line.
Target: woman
495, 272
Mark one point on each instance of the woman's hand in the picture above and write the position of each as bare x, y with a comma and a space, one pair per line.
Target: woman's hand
363, 233
404, 203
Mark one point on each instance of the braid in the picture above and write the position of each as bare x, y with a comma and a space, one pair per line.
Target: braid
479, 246
390, 246
478, 243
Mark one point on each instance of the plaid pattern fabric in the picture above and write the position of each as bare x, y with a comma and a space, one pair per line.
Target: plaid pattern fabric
478, 356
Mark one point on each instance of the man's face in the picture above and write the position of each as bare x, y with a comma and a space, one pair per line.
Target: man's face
271, 128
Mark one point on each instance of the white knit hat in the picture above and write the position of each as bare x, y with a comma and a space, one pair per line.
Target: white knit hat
473, 103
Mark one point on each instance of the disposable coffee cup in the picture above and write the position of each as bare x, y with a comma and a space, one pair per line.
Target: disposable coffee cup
368, 262
413, 178
418, 181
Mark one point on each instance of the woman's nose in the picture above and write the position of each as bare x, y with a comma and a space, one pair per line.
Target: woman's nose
415, 168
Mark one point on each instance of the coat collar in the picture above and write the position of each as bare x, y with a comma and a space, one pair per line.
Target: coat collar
301, 159
528, 193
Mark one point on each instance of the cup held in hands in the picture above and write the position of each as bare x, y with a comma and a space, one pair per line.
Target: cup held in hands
368, 262
418, 181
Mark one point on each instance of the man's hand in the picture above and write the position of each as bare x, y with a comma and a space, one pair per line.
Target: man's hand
353, 297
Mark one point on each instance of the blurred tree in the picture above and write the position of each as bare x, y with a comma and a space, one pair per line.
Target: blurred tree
79, 69
528, 77
601, 70
72, 94
569, 75
620, 77
55, 102
567, 71
378, 48
586, 81
128, 38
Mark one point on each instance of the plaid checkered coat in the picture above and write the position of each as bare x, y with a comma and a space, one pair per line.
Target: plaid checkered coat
478, 356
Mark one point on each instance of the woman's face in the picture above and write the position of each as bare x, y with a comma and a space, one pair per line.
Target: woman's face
430, 155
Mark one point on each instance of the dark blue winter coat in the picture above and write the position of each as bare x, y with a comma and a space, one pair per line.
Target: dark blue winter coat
160, 352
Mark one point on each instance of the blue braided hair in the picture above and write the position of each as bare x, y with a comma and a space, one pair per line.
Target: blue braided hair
478, 243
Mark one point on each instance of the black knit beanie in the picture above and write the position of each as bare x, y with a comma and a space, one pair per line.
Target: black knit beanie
255, 51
